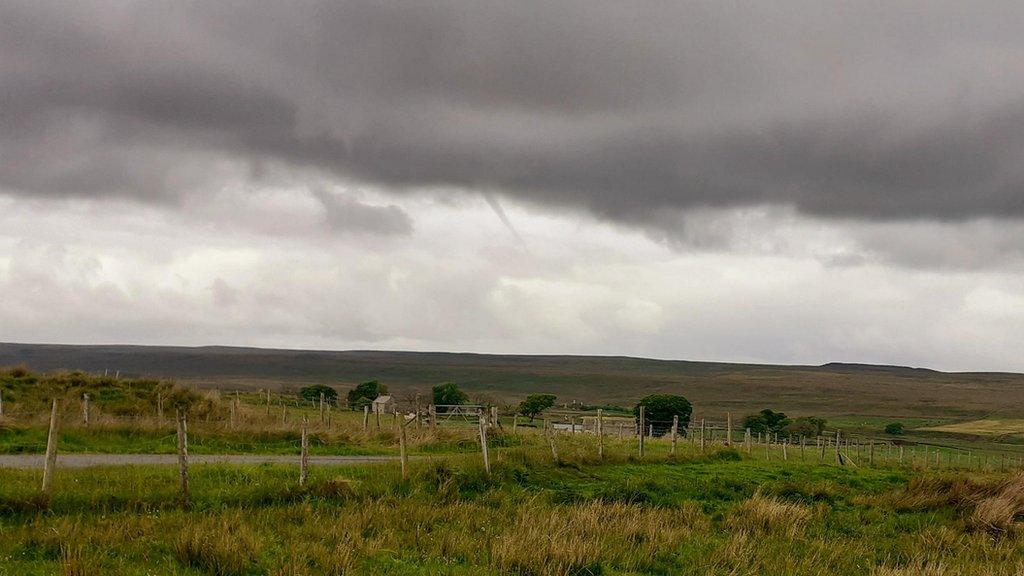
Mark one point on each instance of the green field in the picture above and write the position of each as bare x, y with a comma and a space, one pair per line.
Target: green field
927, 501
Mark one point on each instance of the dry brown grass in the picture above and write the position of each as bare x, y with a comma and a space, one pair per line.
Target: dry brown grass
579, 539
768, 514
1000, 512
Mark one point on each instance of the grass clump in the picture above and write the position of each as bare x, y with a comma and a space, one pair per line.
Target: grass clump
223, 546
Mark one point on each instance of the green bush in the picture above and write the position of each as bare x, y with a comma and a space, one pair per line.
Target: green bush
894, 428
659, 409
313, 393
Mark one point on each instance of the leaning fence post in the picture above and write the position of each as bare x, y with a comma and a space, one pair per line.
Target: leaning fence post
304, 454
51, 451
366, 418
483, 443
182, 438
839, 456
85, 408
600, 433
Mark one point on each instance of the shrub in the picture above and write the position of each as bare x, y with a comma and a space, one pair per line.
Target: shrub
313, 393
659, 410
807, 426
894, 428
535, 404
449, 394
766, 421
364, 394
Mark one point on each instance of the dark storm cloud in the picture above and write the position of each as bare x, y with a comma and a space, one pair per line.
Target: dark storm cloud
873, 110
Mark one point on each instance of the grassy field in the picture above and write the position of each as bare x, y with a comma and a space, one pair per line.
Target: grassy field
928, 502
829, 390
715, 513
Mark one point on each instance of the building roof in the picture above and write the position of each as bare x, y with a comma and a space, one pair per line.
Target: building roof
382, 399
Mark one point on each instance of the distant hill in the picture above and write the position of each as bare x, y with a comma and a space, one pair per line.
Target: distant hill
833, 388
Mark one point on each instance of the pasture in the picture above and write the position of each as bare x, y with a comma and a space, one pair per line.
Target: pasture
553, 502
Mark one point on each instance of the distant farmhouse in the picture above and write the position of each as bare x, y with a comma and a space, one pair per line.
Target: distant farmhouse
383, 405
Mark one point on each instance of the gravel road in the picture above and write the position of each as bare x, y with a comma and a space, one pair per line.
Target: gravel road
28, 461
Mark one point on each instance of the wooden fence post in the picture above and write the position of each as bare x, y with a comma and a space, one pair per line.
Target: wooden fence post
483, 443
304, 454
748, 438
702, 434
284, 414
675, 431
640, 431
366, 418
515, 423
182, 438
871, 454
160, 408
323, 417
433, 418
600, 433
728, 428
85, 408
839, 456
402, 450
51, 452
1, 403
551, 441
785, 455
231, 417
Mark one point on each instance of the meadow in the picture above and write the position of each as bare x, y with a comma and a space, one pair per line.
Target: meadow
550, 506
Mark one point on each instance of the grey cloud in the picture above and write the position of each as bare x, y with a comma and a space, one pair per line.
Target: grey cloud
345, 214
862, 110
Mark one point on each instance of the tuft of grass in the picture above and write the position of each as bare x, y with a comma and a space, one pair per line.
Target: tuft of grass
224, 546
1000, 512
768, 514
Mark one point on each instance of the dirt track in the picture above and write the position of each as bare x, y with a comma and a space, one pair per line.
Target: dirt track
28, 461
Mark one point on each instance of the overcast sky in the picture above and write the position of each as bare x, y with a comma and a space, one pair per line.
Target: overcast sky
786, 182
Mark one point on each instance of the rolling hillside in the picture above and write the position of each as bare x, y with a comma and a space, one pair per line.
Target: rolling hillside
831, 389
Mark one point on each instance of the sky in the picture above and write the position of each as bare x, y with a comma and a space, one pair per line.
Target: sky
781, 182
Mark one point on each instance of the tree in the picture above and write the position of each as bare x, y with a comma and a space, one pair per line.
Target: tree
364, 394
766, 421
804, 426
313, 393
659, 410
535, 404
894, 428
448, 394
